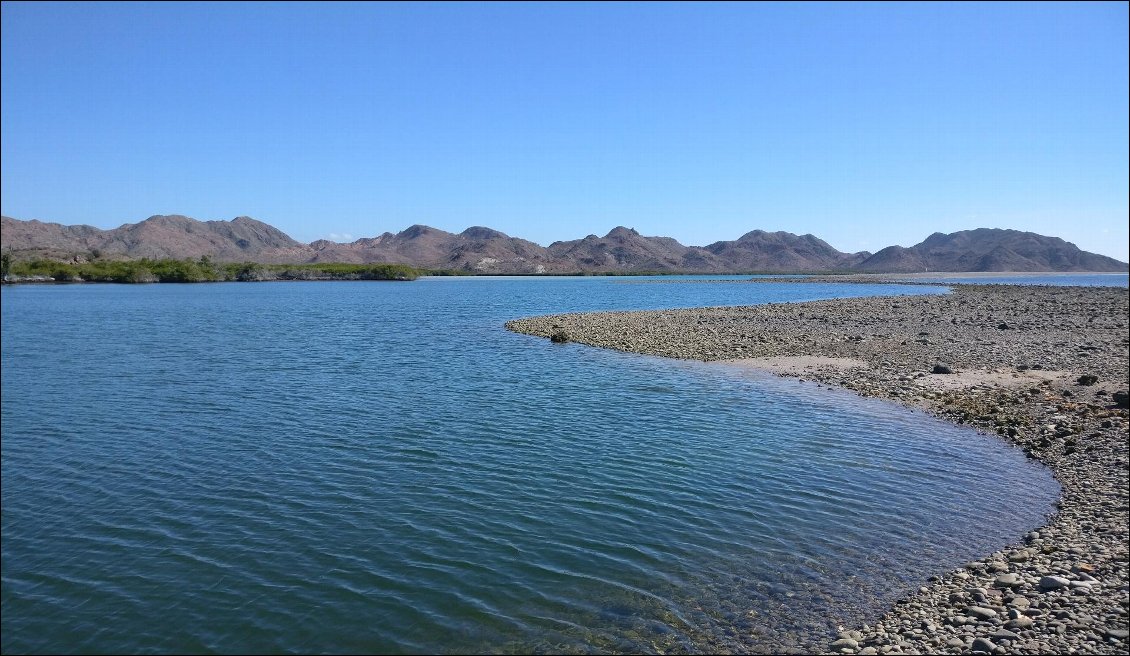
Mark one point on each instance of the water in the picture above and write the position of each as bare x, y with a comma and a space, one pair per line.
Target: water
1057, 279
381, 467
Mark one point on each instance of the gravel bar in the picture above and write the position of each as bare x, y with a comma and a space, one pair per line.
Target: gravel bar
1046, 367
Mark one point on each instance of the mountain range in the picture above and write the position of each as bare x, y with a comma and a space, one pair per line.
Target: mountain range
487, 251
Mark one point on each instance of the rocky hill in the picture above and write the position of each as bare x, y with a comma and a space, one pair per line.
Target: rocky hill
989, 249
484, 250
476, 249
624, 249
174, 236
783, 251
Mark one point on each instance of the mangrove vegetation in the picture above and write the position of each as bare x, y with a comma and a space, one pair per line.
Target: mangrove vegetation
198, 270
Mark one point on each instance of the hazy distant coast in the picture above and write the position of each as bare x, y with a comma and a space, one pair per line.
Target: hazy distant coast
1044, 367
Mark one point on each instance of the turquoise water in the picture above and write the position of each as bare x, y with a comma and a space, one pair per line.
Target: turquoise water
382, 468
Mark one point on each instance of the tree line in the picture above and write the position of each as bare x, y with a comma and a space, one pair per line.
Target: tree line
194, 270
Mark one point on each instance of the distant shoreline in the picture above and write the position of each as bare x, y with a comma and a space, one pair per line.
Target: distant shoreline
1045, 367
201, 270
189, 271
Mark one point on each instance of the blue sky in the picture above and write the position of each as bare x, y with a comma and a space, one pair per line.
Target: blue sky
864, 124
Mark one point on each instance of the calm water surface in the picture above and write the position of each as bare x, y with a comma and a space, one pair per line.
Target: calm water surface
381, 467
1056, 279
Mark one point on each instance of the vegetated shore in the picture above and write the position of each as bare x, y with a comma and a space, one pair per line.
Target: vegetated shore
44, 271
1045, 367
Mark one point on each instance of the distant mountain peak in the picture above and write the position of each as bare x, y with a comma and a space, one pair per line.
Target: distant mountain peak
621, 232
480, 249
167, 218
989, 249
479, 232
418, 230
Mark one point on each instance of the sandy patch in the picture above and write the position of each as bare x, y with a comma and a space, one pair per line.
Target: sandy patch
962, 379
794, 365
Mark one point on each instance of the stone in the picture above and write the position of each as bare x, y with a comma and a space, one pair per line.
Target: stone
1053, 582
983, 645
942, 369
1021, 622
559, 337
980, 612
845, 643
1087, 380
1019, 602
1121, 399
1008, 580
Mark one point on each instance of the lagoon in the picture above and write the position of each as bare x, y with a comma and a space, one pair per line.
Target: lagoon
381, 467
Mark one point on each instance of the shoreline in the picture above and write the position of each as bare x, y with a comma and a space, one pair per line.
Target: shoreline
1045, 367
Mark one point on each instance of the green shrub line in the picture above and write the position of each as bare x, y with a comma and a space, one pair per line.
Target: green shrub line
44, 269
199, 270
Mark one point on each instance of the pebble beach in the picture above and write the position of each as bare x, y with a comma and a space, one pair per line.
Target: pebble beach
1045, 367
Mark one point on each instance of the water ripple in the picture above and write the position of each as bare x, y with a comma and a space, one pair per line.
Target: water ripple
381, 468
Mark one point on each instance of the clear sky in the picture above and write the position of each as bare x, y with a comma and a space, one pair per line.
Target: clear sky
864, 124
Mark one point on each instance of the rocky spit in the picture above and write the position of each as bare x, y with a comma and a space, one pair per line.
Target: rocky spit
1044, 367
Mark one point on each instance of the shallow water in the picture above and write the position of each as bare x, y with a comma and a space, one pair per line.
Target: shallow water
1035, 278
381, 467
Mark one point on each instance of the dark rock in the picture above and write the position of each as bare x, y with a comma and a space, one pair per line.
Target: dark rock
1087, 379
1053, 582
1121, 399
559, 337
942, 369
983, 645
